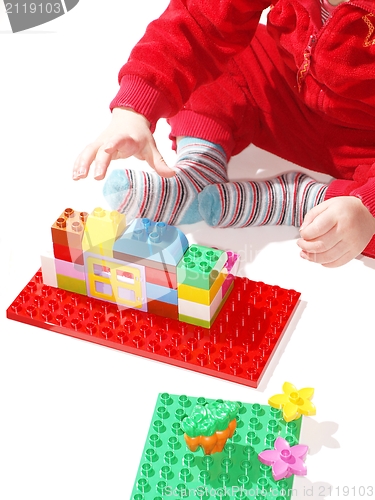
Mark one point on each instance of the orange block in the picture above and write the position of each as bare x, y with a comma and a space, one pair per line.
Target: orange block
68, 229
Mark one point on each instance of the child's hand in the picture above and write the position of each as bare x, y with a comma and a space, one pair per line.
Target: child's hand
128, 134
336, 231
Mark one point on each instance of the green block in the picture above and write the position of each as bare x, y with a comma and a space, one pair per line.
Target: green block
195, 321
200, 266
168, 469
71, 284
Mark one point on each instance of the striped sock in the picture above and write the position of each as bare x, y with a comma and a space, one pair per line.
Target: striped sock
283, 200
174, 200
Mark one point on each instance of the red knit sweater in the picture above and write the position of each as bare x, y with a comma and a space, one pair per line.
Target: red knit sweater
191, 43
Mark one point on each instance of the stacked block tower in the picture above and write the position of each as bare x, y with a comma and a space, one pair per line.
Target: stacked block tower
146, 265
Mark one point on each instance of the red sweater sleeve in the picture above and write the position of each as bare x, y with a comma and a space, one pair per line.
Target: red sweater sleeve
188, 46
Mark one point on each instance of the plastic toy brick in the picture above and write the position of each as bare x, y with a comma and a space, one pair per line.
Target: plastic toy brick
200, 266
200, 311
155, 241
68, 229
210, 425
48, 264
293, 402
201, 315
70, 254
218, 289
101, 231
285, 459
199, 295
116, 281
69, 269
161, 277
233, 263
160, 266
169, 469
71, 284
238, 347
162, 309
161, 293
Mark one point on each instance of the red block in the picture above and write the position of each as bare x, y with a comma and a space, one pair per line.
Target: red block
238, 347
162, 278
162, 309
69, 254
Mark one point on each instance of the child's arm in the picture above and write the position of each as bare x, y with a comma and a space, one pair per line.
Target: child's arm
188, 46
127, 134
336, 231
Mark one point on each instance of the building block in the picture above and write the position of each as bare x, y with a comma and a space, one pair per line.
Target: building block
200, 295
169, 469
285, 459
161, 293
116, 281
200, 266
231, 268
237, 348
210, 425
71, 284
155, 241
161, 277
159, 266
68, 229
101, 231
232, 264
294, 403
69, 269
163, 309
200, 311
206, 315
70, 254
48, 264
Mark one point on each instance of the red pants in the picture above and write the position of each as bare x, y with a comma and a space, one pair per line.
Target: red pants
252, 103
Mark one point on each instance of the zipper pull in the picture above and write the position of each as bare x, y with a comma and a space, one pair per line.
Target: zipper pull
305, 66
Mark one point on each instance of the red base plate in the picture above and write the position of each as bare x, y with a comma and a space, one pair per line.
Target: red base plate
238, 347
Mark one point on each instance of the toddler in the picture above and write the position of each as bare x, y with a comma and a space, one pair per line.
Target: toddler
302, 87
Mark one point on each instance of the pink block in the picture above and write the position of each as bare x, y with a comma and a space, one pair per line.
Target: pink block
233, 263
231, 266
70, 269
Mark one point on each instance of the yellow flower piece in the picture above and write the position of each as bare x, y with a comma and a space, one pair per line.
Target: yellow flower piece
294, 403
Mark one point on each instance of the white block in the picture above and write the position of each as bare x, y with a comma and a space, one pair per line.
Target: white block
48, 268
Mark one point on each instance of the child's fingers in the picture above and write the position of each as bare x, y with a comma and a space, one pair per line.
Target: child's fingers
102, 162
117, 147
156, 161
83, 162
122, 145
320, 245
312, 214
335, 257
319, 221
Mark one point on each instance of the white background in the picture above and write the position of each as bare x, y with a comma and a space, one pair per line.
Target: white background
66, 404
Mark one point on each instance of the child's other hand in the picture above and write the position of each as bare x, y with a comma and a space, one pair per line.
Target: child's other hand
336, 231
128, 134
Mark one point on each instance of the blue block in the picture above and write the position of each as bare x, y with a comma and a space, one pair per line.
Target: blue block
161, 293
155, 241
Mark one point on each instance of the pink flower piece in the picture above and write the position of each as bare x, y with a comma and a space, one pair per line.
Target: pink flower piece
285, 459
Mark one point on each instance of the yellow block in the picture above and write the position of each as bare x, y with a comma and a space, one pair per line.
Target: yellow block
198, 295
101, 231
114, 282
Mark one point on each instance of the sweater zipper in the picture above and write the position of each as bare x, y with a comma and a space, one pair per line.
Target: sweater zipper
305, 66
